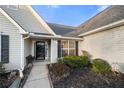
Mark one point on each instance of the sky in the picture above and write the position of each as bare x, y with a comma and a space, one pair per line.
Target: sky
72, 15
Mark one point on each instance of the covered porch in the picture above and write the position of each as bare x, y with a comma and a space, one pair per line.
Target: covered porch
46, 48
43, 50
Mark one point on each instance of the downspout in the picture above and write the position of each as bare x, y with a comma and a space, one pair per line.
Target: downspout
21, 70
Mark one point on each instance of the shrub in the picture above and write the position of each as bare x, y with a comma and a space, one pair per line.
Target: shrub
2, 69
86, 53
29, 59
60, 60
100, 66
59, 71
76, 61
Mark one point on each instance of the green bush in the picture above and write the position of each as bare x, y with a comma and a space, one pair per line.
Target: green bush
60, 60
2, 69
100, 66
76, 61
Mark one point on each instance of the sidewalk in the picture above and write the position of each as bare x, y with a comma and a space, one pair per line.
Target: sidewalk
38, 77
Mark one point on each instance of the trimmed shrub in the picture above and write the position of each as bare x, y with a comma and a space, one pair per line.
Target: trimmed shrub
76, 61
100, 66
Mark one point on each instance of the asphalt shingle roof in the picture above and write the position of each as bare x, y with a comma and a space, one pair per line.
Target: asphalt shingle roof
61, 29
111, 14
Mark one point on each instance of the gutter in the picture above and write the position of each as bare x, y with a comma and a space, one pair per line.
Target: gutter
32, 35
109, 26
26, 37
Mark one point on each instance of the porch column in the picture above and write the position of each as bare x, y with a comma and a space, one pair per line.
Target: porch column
80, 48
54, 50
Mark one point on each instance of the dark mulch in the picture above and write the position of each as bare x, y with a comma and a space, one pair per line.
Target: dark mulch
86, 78
7, 79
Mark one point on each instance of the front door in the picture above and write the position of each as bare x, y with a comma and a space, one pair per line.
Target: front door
40, 50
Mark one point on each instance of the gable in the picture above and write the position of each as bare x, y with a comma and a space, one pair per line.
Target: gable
24, 17
3, 15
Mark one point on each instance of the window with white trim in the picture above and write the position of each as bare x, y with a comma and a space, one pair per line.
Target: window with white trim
68, 48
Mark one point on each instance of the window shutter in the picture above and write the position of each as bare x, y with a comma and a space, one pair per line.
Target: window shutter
5, 48
59, 49
76, 48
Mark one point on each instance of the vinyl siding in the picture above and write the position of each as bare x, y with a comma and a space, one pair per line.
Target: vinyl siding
108, 45
27, 48
14, 43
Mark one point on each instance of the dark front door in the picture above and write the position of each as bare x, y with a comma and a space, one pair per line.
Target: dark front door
40, 50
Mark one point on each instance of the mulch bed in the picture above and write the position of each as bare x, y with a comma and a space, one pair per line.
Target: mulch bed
86, 78
6, 79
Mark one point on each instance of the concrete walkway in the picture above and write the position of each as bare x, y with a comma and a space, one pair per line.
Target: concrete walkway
38, 77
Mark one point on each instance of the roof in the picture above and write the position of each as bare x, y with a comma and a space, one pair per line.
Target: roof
110, 15
61, 29
25, 17
21, 31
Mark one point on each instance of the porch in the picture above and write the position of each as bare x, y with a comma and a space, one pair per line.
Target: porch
47, 48
41, 49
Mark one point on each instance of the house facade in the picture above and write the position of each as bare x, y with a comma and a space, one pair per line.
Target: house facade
23, 32
103, 36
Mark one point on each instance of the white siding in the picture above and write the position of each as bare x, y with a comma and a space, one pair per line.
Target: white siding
27, 48
14, 42
33, 48
108, 45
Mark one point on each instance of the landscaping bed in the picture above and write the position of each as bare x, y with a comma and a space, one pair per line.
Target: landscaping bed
7, 78
11, 79
85, 77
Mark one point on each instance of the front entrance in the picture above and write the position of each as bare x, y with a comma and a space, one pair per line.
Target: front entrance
40, 50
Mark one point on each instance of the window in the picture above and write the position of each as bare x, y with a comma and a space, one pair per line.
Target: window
5, 48
68, 48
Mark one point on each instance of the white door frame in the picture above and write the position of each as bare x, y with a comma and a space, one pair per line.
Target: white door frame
46, 49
